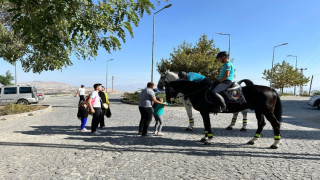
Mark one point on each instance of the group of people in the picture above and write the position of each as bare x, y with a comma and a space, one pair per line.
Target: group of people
97, 104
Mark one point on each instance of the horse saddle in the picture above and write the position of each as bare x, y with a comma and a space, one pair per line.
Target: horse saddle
233, 94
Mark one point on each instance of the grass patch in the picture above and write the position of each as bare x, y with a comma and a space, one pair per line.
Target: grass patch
10, 109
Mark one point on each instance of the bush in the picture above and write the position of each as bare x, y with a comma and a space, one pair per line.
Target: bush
315, 92
305, 93
9, 109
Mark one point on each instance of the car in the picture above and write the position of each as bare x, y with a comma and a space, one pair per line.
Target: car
25, 94
315, 101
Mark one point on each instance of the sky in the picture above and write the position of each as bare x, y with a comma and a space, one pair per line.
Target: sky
255, 26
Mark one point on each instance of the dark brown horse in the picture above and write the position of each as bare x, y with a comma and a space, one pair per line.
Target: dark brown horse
263, 100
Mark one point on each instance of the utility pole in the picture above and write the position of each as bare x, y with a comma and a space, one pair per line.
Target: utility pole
301, 87
112, 83
310, 85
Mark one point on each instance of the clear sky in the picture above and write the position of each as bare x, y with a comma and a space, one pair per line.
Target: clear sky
256, 26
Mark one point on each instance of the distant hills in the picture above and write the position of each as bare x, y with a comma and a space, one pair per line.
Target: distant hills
51, 87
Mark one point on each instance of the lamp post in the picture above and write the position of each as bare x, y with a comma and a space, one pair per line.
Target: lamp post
167, 6
229, 40
296, 68
273, 60
107, 75
15, 73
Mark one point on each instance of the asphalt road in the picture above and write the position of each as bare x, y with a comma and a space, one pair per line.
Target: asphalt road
50, 146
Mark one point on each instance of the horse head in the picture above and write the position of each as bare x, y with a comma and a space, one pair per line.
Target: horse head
166, 78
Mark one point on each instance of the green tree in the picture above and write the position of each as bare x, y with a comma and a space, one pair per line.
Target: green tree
285, 76
6, 79
200, 58
43, 34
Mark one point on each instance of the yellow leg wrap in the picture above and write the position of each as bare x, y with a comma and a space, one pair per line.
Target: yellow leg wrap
257, 135
277, 137
210, 135
234, 120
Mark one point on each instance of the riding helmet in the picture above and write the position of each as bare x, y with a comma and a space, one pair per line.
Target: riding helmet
182, 74
222, 53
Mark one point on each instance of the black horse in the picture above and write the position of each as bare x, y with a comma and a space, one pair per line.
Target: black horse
263, 100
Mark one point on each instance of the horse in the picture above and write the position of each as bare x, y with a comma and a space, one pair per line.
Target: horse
264, 100
169, 76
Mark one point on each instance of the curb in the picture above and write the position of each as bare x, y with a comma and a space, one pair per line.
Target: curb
14, 116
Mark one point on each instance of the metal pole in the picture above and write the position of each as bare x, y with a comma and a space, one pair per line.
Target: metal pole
152, 48
154, 15
15, 72
229, 45
272, 67
273, 60
310, 85
112, 83
296, 68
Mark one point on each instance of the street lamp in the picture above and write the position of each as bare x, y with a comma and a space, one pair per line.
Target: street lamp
167, 6
296, 68
107, 75
229, 40
273, 60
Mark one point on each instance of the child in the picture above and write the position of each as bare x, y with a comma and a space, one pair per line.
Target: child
157, 113
83, 115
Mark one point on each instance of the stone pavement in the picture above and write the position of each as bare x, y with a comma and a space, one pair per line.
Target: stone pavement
50, 146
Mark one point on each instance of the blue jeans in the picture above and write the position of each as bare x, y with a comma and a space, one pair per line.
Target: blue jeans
221, 86
83, 122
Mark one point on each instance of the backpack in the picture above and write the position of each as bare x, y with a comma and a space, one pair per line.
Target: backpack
92, 103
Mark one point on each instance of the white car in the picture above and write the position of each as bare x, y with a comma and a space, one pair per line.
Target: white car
314, 101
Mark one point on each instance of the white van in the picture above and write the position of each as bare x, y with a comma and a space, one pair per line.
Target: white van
18, 95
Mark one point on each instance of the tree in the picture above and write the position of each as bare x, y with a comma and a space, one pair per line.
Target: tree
6, 79
200, 58
285, 76
43, 34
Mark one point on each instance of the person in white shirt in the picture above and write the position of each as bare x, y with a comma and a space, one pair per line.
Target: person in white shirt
95, 107
81, 92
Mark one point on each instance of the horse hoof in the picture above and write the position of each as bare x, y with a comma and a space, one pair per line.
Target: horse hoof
243, 129
188, 129
229, 128
250, 143
274, 147
207, 143
203, 140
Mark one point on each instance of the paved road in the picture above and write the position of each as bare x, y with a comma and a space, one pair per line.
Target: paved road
50, 146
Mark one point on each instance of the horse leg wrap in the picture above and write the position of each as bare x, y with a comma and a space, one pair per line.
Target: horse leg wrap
244, 125
191, 122
233, 122
255, 138
276, 143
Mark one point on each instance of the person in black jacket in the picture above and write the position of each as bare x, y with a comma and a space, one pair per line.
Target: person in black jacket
83, 115
103, 101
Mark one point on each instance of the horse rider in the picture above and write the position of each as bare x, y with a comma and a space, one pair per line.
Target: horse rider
225, 79
192, 76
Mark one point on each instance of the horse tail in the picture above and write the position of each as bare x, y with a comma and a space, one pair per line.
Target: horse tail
278, 108
247, 82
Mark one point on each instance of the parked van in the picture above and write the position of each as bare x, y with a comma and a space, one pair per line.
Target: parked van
18, 95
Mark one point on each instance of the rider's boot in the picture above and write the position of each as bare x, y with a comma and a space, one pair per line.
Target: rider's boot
220, 101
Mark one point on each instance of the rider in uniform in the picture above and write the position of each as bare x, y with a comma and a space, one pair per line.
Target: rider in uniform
225, 79
192, 76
